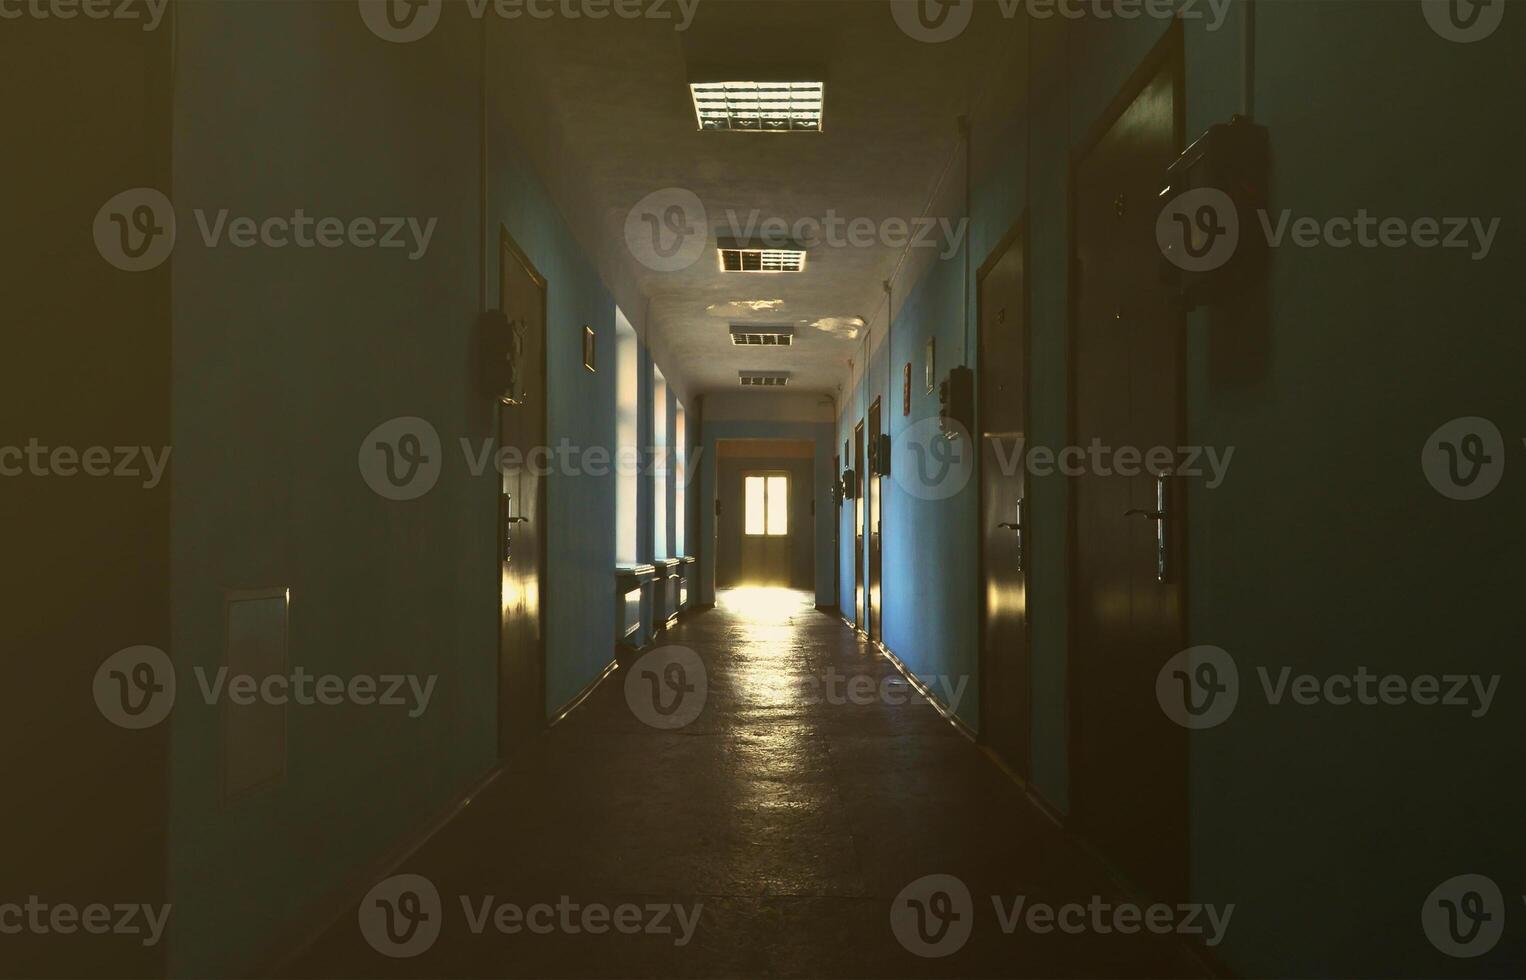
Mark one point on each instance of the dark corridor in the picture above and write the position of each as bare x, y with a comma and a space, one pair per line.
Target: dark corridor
812, 788
762, 488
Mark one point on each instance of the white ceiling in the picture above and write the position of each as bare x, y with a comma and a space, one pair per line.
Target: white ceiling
604, 110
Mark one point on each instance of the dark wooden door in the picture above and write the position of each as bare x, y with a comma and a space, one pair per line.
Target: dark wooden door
836, 533
1006, 539
1130, 763
521, 529
860, 618
873, 498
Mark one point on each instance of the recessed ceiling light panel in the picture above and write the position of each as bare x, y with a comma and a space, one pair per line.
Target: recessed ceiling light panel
762, 259
762, 335
764, 379
759, 107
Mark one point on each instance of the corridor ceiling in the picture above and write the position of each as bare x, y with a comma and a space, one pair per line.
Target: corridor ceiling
604, 109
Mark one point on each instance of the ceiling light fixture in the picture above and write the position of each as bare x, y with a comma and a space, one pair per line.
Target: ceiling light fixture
759, 107
761, 335
739, 259
763, 379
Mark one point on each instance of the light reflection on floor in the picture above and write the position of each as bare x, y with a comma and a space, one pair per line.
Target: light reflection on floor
763, 605
763, 641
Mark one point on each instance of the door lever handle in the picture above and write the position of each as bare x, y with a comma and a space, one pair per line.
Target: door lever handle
1017, 526
517, 520
1159, 515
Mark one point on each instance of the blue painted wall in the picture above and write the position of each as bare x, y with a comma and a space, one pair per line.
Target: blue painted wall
928, 591
289, 378
580, 503
1367, 352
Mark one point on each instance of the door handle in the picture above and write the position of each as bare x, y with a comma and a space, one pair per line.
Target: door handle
1160, 515
1017, 526
508, 526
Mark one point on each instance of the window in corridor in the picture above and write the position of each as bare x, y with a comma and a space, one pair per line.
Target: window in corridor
680, 477
766, 503
661, 497
626, 452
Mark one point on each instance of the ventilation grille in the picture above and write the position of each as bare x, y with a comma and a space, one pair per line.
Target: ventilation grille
759, 335
759, 107
764, 379
762, 260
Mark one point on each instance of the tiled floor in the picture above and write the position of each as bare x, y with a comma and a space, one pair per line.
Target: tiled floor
792, 818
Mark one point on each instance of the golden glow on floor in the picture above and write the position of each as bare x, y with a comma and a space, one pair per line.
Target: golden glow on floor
763, 604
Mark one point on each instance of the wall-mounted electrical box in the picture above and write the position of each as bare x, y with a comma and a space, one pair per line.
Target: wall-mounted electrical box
500, 354
956, 403
1209, 229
